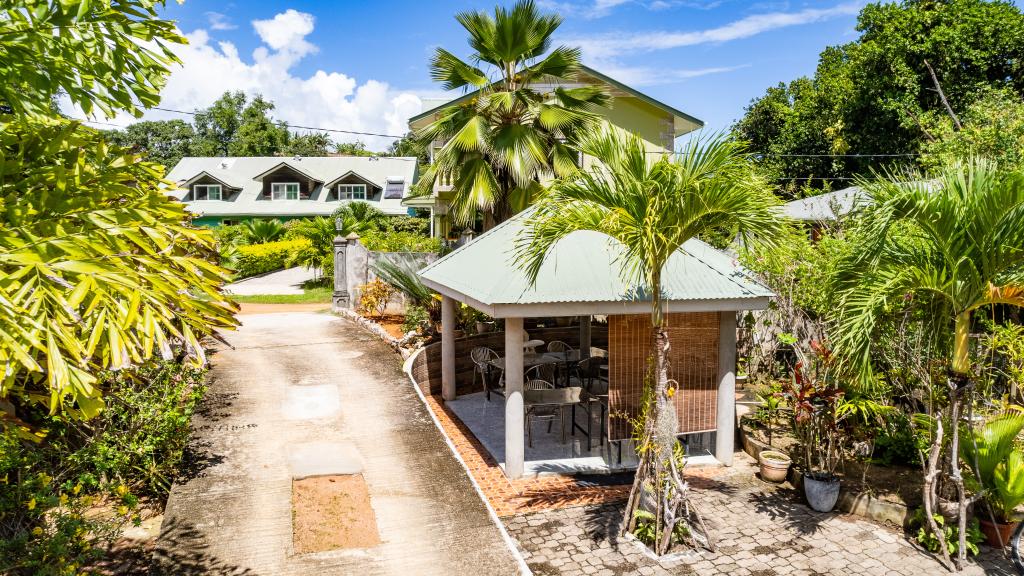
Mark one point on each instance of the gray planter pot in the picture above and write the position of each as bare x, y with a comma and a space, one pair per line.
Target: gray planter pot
822, 492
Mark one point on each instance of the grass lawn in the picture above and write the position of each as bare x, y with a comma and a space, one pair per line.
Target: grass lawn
311, 294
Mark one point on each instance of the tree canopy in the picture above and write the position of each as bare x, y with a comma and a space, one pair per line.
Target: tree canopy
877, 96
99, 269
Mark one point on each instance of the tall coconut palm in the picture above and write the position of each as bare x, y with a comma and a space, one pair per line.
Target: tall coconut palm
653, 205
948, 246
500, 142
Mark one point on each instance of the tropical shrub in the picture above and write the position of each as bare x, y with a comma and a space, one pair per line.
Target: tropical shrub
268, 257
950, 534
230, 235
67, 497
357, 218
417, 319
140, 439
374, 297
997, 465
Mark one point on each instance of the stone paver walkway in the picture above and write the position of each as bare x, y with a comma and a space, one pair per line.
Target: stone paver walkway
759, 531
304, 392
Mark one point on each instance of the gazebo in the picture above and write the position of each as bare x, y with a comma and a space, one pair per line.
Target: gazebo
581, 277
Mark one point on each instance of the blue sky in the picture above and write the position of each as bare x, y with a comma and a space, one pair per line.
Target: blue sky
363, 65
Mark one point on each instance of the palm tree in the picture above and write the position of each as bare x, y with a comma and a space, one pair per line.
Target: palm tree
320, 233
357, 217
947, 246
261, 231
499, 142
652, 205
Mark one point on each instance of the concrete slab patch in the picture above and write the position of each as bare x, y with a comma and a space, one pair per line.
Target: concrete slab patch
323, 458
309, 402
332, 512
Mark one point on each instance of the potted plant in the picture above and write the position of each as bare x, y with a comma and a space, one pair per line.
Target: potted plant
997, 473
773, 464
814, 396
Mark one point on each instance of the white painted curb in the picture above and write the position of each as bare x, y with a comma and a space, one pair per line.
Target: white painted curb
524, 569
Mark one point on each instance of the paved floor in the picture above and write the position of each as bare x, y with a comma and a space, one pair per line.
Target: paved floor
287, 281
308, 393
759, 531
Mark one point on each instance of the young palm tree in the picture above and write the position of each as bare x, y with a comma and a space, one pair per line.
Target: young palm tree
499, 143
358, 217
652, 205
261, 231
948, 247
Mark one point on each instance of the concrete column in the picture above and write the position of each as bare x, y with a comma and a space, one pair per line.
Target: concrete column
341, 298
447, 348
514, 430
724, 439
584, 337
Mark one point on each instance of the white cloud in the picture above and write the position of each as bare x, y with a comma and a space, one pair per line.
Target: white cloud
649, 76
219, 21
323, 99
619, 44
593, 9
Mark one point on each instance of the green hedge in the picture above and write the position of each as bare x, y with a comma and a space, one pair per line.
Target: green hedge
263, 258
380, 241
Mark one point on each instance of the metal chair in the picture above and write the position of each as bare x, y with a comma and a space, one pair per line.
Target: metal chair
482, 357
569, 354
541, 413
545, 372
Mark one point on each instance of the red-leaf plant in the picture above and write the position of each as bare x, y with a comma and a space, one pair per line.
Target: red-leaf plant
814, 394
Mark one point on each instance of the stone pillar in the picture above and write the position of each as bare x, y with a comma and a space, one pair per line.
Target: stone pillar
447, 348
585, 336
515, 453
726, 419
341, 297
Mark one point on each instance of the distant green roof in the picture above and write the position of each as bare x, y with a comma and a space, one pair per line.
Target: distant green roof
582, 275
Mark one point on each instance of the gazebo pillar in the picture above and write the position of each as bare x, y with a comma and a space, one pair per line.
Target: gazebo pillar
515, 453
726, 414
447, 348
585, 336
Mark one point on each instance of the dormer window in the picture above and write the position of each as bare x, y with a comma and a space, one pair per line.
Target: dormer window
284, 191
206, 192
352, 191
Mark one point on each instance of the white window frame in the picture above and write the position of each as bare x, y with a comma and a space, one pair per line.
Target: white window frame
349, 191
282, 188
207, 188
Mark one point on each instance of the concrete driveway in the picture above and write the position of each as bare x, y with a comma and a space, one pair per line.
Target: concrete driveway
287, 281
306, 393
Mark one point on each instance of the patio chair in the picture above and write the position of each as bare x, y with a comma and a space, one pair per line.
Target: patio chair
540, 412
587, 371
545, 372
571, 357
482, 357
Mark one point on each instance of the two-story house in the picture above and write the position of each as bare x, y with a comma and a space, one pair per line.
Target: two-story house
229, 190
657, 123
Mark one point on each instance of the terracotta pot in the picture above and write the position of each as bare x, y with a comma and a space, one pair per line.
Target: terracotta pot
992, 532
774, 465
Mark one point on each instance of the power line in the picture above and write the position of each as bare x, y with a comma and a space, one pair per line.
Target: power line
287, 125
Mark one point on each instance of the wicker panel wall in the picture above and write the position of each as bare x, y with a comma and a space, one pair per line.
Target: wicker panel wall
693, 362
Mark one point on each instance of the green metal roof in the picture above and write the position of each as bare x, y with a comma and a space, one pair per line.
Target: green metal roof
583, 272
